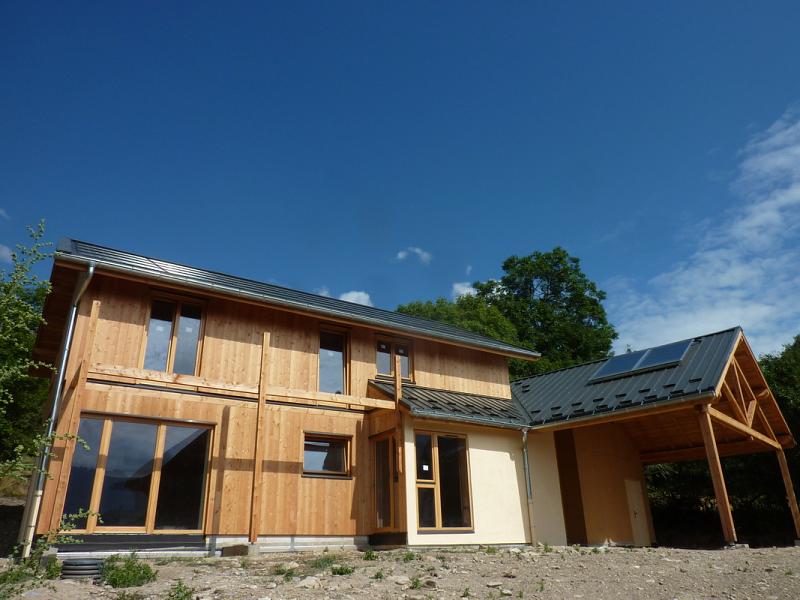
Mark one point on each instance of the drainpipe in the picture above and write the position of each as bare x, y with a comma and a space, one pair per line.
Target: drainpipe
528, 486
33, 505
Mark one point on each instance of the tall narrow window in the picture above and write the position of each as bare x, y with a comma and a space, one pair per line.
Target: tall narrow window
443, 498
332, 362
385, 357
173, 337
81, 474
181, 491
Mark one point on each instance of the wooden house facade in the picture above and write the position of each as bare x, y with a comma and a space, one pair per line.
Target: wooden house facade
196, 405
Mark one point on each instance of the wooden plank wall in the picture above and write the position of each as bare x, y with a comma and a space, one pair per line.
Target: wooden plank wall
231, 352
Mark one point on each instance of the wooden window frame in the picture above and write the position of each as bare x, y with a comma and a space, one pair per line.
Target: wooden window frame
179, 301
435, 483
331, 437
92, 525
393, 343
345, 355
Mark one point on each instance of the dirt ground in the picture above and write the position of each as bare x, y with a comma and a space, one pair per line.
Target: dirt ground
472, 572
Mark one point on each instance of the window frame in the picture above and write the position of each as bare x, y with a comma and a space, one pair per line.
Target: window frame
93, 524
330, 437
178, 301
345, 333
435, 483
393, 343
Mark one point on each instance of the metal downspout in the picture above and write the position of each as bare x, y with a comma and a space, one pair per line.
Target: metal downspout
528, 485
34, 502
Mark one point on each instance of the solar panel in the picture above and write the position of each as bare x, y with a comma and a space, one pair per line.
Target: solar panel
642, 360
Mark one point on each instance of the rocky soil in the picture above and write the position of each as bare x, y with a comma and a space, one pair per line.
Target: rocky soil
470, 573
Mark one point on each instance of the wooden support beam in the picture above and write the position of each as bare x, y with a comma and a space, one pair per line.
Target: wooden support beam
260, 442
669, 455
728, 394
717, 478
790, 497
735, 425
399, 443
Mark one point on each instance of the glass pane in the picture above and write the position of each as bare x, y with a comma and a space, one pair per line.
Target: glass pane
126, 486
402, 352
425, 505
664, 355
81, 474
159, 334
383, 483
331, 362
622, 363
454, 482
424, 456
182, 486
186, 345
325, 456
384, 358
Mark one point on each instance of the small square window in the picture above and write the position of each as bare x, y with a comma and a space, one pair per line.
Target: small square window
326, 455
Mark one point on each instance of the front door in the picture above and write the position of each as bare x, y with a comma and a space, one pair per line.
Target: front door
383, 457
638, 512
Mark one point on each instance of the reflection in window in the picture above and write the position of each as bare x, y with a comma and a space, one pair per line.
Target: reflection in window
453, 482
426, 504
181, 490
173, 347
187, 337
385, 356
331, 362
129, 469
159, 335
325, 455
81, 474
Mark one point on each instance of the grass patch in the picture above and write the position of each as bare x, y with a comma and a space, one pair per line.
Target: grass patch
180, 591
128, 596
324, 561
416, 583
379, 575
466, 593
287, 572
126, 572
491, 550
408, 556
370, 555
342, 570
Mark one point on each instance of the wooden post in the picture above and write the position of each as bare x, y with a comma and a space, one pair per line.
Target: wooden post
715, 466
399, 515
790, 497
258, 447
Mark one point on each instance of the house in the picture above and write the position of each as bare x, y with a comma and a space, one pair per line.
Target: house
217, 410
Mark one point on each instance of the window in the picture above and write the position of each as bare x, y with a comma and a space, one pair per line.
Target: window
140, 476
443, 497
332, 365
170, 348
386, 352
326, 455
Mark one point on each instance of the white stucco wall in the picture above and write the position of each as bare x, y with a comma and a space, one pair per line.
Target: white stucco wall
548, 513
497, 479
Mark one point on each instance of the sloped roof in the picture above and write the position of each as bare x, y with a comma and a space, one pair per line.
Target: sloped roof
569, 394
456, 406
118, 260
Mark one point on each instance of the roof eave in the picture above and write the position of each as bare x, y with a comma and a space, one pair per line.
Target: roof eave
228, 291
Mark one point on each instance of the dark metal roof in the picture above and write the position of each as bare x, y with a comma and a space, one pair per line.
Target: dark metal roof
118, 260
457, 406
567, 394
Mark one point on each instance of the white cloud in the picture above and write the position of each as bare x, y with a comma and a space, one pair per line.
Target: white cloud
424, 256
4, 214
469, 270
5, 254
357, 296
323, 291
462, 288
744, 269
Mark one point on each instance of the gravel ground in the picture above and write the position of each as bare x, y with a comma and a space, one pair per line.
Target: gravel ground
472, 572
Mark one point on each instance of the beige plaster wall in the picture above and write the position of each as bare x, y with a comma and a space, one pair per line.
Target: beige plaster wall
548, 514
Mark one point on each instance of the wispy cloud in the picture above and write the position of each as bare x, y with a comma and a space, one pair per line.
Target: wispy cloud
469, 270
424, 256
462, 288
4, 214
743, 270
323, 291
5, 254
357, 296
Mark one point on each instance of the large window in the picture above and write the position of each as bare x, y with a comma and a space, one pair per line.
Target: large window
332, 362
140, 476
326, 455
170, 347
385, 357
443, 496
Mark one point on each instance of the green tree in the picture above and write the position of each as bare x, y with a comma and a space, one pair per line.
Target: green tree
554, 307
22, 396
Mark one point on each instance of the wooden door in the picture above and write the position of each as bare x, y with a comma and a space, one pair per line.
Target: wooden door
638, 512
384, 483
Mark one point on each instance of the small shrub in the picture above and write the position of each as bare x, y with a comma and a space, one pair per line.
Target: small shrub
408, 556
547, 548
416, 583
126, 572
595, 550
540, 585
128, 596
465, 593
288, 574
323, 562
52, 570
370, 555
378, 574
180, 591
341, 570
491, 550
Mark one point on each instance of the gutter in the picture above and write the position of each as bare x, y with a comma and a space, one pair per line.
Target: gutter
528, 485
34, 503
509, 352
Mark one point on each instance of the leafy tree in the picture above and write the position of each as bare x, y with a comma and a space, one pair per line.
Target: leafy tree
555, 308
22, 396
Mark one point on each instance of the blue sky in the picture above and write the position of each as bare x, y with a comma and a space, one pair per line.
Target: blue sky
397, 150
